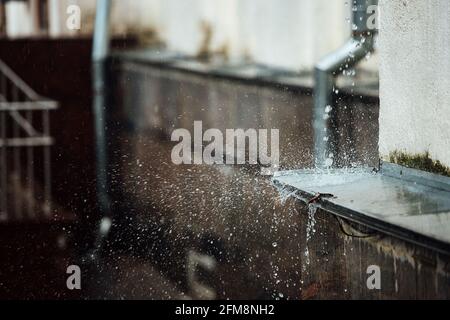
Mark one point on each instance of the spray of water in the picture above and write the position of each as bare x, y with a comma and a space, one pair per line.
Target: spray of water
310, 230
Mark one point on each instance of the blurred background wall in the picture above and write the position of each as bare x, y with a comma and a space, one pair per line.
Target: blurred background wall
293, 34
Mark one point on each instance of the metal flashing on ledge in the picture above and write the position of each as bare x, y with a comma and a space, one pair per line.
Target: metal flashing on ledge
416, 176
405, 203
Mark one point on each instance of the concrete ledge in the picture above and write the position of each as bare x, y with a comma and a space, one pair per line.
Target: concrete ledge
367, 86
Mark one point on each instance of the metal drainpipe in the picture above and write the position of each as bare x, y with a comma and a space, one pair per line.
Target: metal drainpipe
326, 72
100, 50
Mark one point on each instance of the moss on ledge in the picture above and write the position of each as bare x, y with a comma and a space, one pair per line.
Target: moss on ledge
419, 161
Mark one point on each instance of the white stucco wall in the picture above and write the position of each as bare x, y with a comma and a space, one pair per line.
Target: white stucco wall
414, 47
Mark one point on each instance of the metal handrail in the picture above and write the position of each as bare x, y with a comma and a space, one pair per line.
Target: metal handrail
18, 82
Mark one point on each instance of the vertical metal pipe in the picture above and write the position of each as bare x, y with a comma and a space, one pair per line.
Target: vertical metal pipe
100, 47
325, 74
324, 143
100, 52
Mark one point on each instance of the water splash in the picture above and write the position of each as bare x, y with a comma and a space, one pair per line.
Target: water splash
310, 231
284, 193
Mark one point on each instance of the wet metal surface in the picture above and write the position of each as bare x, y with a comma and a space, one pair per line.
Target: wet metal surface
410, 210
